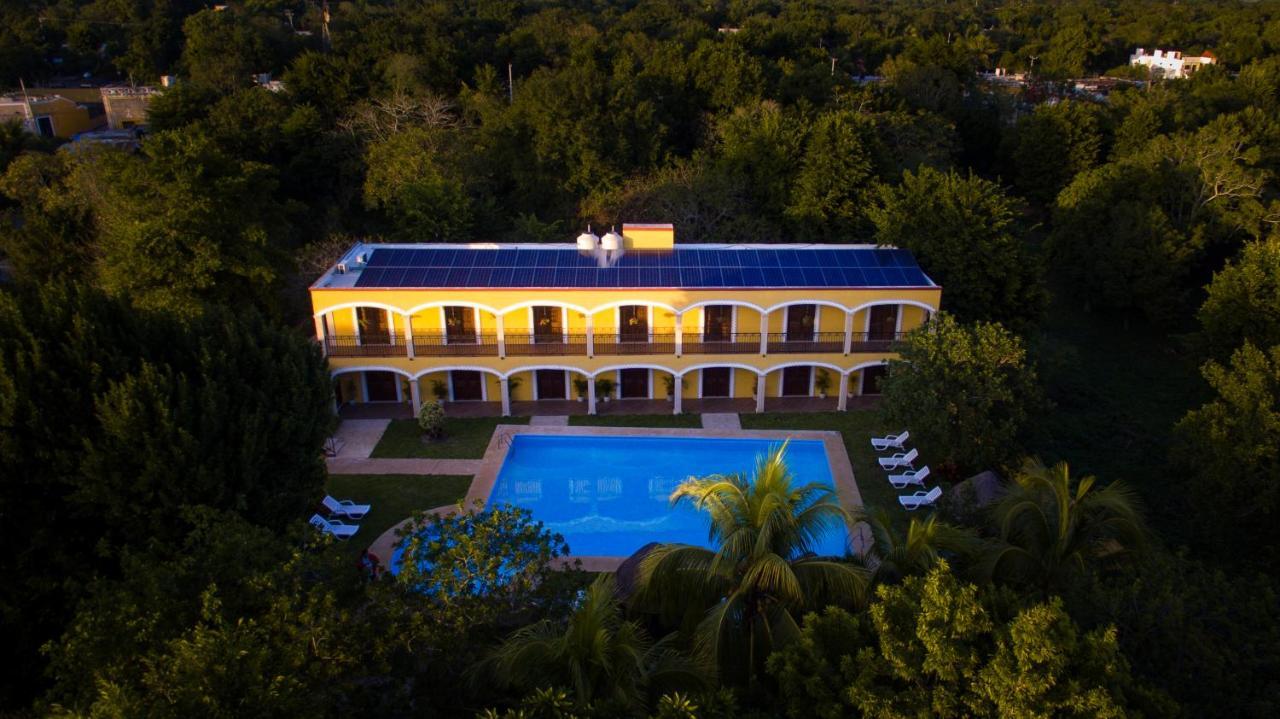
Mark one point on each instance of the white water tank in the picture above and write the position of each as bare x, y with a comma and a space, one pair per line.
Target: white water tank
588, 242
611, 242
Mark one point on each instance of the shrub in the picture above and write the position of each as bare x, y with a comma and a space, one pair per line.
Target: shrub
431, 419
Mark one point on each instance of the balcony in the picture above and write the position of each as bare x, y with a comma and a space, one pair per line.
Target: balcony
609, 342
550, 345
820, 342
722, 343
444, 345
367, 346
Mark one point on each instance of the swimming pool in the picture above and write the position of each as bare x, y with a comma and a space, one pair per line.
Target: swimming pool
610, 496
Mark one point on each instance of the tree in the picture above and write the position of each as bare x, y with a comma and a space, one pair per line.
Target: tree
743, 596
1230, 449
829, 196
1054, 144
966, 391
223, 49
189, 224
607, 660
53, 235
1243, 300
411, 178
925, 543
1054, 527
931, 648
963, 232
113, 420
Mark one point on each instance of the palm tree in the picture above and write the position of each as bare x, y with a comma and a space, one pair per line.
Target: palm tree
894, 555
1052, 527
601, 656
741, 600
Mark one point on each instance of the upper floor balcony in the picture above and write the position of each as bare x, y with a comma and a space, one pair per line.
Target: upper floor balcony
620, 330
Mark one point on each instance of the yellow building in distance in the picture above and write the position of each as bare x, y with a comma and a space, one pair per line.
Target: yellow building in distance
555, 328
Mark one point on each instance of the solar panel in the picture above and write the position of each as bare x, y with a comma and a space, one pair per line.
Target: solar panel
685, 267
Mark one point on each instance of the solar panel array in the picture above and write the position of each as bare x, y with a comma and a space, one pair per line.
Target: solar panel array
683, 267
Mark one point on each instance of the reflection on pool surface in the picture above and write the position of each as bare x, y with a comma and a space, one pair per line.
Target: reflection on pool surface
609, 496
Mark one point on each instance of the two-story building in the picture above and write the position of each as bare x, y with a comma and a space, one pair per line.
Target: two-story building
539, 326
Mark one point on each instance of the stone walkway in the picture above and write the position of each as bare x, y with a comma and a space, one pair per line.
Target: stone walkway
720, 420
549, 420
365, 465
358, 437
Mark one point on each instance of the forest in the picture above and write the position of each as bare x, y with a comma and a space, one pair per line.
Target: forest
1111, 274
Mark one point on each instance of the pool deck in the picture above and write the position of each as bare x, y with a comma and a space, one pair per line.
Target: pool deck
486, 476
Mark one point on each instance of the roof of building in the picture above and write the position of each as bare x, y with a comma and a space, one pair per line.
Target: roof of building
563, 266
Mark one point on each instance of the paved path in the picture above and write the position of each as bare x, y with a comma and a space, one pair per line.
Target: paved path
358, 437
549, 420
720, 420
342, 465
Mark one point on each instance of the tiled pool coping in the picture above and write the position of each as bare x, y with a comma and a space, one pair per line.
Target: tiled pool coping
500, 443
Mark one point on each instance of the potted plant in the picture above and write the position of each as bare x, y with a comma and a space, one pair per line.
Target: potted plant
512, 384
822, 382
581, 385
604, 388
670, 381
439, 389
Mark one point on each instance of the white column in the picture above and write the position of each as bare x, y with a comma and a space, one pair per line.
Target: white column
506, 396
415, 396
679, 337
848, 332
676, 404
502, 335
764, 334
324, 346
408, 336
843, 402
591, 351
591, 388
760, 392
391, 327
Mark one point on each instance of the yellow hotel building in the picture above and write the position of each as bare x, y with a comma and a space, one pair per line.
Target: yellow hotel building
563, 328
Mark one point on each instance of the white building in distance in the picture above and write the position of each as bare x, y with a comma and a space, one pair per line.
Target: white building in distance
1170, 63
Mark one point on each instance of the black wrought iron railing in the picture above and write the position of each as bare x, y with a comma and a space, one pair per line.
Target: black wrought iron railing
523, 345
611, 342
721, 343
377, 345
455, 345
819, 342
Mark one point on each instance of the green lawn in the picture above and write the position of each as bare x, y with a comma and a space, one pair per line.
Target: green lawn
394, 498
637, 420
465, 438
856, 427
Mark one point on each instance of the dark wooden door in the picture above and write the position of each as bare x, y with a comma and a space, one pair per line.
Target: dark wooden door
373, 326
381, 386
717, 323
547, 326
795, 381
551, 384
884, 322
871, 377
635, 384
717, 382
460, 325
633, 323
467, 385
800, 322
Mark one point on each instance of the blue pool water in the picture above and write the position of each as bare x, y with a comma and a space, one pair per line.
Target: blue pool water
610, 496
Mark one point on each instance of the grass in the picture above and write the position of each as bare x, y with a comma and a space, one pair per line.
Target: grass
637, 420
857, 428
394, 497
465, 438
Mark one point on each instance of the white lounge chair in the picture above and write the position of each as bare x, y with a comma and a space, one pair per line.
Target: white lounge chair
912, 502
900, 481
880, 444
334, 527
899, 460
345, 508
